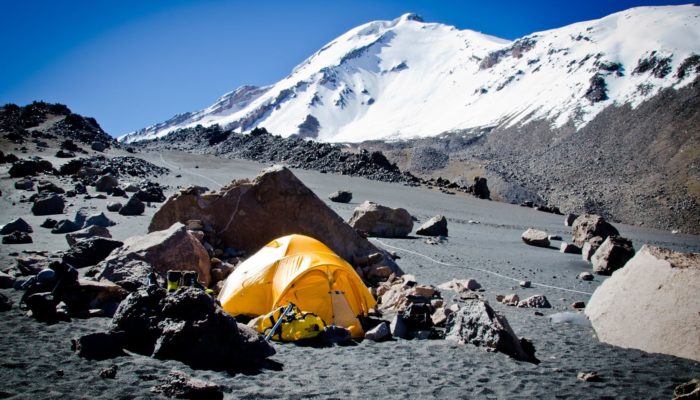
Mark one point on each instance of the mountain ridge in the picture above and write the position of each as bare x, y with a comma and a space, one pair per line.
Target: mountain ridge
405, 78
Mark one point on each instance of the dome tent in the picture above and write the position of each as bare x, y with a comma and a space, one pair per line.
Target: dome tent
301, 270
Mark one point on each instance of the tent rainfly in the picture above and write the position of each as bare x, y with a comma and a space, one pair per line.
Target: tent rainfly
301, 270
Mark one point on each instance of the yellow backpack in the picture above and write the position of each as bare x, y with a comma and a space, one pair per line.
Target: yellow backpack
296, 325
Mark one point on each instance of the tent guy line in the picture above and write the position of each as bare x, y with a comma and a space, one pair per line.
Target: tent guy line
476, 269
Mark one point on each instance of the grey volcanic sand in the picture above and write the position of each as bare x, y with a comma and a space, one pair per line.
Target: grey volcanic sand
32, 352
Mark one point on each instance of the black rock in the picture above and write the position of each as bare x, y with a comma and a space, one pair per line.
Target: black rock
179, 385
114, 206
66, 226
341, 196
17, 225
5, 303
49, 223
133, 207
17, 238
91, 251
99, 346
188, 326
22, 168
50, 187
48, 204
151, 194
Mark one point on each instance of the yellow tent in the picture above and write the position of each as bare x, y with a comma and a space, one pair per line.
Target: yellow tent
301, 270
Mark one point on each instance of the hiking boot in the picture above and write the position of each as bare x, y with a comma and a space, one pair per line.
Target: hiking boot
191, 278
152, 280
173, 280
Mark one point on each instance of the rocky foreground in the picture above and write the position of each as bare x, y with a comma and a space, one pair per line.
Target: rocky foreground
441, 266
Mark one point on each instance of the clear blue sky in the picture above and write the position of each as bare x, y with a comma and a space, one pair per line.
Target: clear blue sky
132, 63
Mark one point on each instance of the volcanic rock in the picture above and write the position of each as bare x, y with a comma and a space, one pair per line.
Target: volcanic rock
340, 196
114, 206
275, 200
477, 323
535, 237
181, 386
536, 301
590, 247
50, 187
655, 294
435, 226
16, 225
460, 285
24, 184
587, 226
90, 251
88, 232
17, 238
100, 220
106, 183
5, 303
612, 255
48, 204
173, 248
6, 280
380, 221
150, 194
133, 207
569, 219
189, 326
569, 248
99, 346
379, 332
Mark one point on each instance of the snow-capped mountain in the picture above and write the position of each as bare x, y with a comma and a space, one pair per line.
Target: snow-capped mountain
407, 78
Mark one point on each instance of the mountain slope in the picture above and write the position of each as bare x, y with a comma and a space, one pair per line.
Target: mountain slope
406, 78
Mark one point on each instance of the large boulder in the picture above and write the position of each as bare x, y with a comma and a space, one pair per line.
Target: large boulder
91, 251
246, 215
435, 226
651, 304
535, 237
612, 255
18, 225
48, 204
187, 325
587, 226
480, 188
173, 248
381, 221
478, 324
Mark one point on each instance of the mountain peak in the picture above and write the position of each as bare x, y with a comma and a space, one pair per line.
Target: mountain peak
399, 79
411, 17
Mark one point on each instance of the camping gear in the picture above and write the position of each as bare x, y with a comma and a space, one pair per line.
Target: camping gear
279, 321
173, 280
288, 324
301, 270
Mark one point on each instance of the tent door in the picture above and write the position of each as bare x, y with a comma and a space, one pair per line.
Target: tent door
342, 313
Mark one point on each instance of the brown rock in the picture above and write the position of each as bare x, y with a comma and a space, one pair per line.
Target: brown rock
247, 215
587, 226
569, 248
380, 221
511, 300
654, 294
612, 255
435, 226
535, 237
172, 248
590, 247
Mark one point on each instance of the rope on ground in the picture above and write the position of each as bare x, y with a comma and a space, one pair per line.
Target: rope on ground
235, 211
174, 167
476, 269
